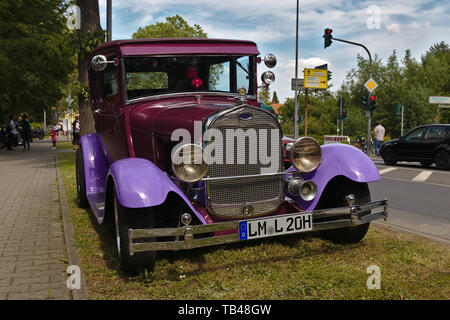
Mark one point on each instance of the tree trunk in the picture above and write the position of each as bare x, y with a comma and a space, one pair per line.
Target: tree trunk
90, 21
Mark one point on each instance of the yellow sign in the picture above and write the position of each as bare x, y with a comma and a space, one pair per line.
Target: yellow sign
316, 78
371, 85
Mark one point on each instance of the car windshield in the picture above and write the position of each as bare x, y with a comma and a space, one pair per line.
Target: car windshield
147, 76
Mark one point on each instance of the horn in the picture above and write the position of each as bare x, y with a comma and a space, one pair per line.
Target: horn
308, 190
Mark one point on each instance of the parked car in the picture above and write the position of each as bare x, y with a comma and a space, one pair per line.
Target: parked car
426, 144
166, 166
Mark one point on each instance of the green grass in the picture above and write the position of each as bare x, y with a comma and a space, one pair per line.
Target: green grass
293, 267
64, 144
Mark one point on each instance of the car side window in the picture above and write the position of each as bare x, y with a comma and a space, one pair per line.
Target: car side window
416, 134
436, 133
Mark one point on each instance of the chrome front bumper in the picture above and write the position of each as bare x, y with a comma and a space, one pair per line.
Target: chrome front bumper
378, 210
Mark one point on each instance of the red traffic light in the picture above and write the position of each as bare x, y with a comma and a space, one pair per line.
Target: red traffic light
372, 98
329, 31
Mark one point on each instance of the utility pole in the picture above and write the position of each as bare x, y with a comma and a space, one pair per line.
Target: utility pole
402, 121
296, 77
109, 20
306, 111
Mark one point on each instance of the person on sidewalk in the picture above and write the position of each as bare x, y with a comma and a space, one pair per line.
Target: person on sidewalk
11, 134
379, 133
54, 135
76, 133
26, 132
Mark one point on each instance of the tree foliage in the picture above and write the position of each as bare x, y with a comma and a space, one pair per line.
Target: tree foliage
35, 58
174, 27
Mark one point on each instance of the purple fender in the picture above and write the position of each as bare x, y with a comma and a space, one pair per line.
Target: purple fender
95, 171
140, 183
340, 160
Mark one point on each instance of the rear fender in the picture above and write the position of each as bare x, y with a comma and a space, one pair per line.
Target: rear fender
140, 183
340, 160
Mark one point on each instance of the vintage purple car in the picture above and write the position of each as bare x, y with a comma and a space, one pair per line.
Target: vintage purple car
183, 156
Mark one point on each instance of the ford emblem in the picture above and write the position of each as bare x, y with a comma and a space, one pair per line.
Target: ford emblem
245, 116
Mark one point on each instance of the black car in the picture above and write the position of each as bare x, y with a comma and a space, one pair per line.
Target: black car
426, 144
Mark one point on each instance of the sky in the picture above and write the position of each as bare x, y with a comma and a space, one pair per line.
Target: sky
382, 26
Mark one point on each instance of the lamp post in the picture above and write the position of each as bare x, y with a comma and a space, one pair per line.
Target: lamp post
296, 77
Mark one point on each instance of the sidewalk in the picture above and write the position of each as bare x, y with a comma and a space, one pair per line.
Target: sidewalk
33, 258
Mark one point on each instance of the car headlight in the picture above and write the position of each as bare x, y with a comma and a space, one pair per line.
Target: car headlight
189, 162
306, 154
268, 77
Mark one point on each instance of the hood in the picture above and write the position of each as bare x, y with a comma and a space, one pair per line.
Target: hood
164, 117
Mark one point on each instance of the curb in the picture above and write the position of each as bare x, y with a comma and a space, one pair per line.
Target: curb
72, 252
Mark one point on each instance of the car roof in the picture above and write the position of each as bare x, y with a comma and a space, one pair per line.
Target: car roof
179, 45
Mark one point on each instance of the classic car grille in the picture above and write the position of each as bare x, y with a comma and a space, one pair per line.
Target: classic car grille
251, 196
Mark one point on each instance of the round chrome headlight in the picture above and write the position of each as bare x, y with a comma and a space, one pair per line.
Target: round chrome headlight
306, 154
268, 77
189, 162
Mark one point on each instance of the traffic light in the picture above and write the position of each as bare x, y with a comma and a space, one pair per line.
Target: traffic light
364, 101
329, 75
372, 101
327, 36
344, 115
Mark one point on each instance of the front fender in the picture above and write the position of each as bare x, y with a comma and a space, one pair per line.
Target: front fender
340, 160
140, 183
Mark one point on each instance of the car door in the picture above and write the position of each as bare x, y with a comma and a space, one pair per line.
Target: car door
408, 147
109, 117
434, 136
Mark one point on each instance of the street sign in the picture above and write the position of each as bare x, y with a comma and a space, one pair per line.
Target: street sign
297, 84
439, 100
371, 85
316, 78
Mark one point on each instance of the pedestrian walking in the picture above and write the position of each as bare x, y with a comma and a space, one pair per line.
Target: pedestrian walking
54, 135
379, 133
26, 132
76, 133
12, 139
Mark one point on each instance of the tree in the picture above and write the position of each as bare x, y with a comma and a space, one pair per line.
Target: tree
89, 37
174, 27
35, 58
275, 98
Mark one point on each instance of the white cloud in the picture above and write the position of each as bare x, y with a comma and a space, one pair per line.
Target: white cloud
393, 28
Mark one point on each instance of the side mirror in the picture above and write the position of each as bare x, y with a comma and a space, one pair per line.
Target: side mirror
99, 62
270, 60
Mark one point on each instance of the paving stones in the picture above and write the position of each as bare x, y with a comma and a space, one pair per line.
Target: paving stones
32, 247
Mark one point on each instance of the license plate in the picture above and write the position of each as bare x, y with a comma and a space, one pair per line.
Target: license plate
261, 228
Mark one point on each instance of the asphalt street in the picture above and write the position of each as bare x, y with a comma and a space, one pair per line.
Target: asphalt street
419, 198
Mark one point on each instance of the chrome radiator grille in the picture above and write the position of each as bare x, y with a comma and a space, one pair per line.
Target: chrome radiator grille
250, 196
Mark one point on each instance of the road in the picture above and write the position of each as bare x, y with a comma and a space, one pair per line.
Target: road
419, 198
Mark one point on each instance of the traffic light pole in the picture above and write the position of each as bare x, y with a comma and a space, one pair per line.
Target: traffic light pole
369, 118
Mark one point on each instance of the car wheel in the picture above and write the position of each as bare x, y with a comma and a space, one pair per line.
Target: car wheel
82, 200
127, 218
336, 198
389, 157
425, 164
442, 159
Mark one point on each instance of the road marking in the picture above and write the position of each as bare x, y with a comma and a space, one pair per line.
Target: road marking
386, 170
423, 176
